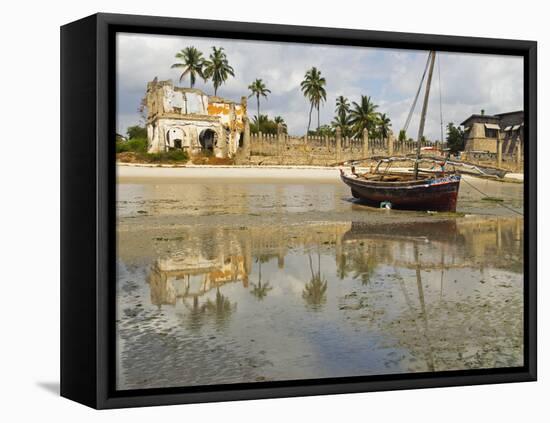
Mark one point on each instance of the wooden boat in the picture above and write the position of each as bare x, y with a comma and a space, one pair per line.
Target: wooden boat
436, 192
419, 190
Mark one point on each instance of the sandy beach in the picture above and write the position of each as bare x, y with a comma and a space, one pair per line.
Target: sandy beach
140, 173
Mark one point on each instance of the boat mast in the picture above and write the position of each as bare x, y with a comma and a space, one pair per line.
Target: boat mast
424, 110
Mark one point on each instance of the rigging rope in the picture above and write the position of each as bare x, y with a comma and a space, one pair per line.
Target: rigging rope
409, 117
485, 195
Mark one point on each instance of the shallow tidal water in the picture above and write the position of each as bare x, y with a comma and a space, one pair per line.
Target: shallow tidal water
222, 282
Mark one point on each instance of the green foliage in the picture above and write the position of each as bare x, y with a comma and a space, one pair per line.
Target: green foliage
455, 138
402, 135
217, 68
136, 131
279, 119
324, 130
192, 63
257, 89
265, 125
313, 88
167, 156
364, 115
342, 118
383, 126
135, 145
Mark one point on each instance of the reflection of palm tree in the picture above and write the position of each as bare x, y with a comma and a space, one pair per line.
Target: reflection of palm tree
364, 267
260, 291
315, 291
342, 266
221, 307
196, 314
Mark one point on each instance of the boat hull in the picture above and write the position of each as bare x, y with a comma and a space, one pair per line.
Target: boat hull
436, 194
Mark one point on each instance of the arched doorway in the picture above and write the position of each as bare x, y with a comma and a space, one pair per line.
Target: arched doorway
208, 139
175, 137
240, 142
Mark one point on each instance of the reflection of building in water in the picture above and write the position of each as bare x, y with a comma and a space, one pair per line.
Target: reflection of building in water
215, 257
183, 277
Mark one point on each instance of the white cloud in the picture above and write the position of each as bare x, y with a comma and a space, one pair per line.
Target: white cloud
470, 82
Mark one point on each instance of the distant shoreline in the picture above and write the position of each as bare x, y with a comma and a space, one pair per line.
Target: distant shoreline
166, 173
138, 172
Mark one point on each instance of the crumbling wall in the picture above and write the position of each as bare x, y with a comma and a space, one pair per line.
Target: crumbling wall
178, 116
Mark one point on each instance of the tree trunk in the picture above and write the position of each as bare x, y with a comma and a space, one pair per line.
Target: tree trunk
309, 121
318, 118
258, 101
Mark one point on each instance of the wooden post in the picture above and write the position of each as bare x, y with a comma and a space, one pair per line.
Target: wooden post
390, 143
499, 150
279, 141
365, 142
338, 143
246, 139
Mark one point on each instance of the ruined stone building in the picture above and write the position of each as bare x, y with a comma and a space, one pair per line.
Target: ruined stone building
188, 119
482, 132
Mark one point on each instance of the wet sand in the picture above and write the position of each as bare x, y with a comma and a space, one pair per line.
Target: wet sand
229, 279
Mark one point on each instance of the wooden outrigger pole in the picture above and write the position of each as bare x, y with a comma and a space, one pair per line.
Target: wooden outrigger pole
424, 111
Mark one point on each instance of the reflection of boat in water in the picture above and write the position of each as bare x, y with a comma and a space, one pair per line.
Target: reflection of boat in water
499, 241
437, 230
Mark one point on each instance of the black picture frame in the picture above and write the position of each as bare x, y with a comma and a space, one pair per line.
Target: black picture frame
88, 209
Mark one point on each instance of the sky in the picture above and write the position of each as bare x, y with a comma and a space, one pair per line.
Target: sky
465, 83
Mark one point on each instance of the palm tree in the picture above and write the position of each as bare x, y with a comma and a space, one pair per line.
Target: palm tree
313, 87
217, 68
279, 119
192, 63
342, 118
259, 123
342, 106
258, 89
343, 122
364, 115
384, 125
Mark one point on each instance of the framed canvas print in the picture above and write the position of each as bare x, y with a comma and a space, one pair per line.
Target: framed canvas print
255, 211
